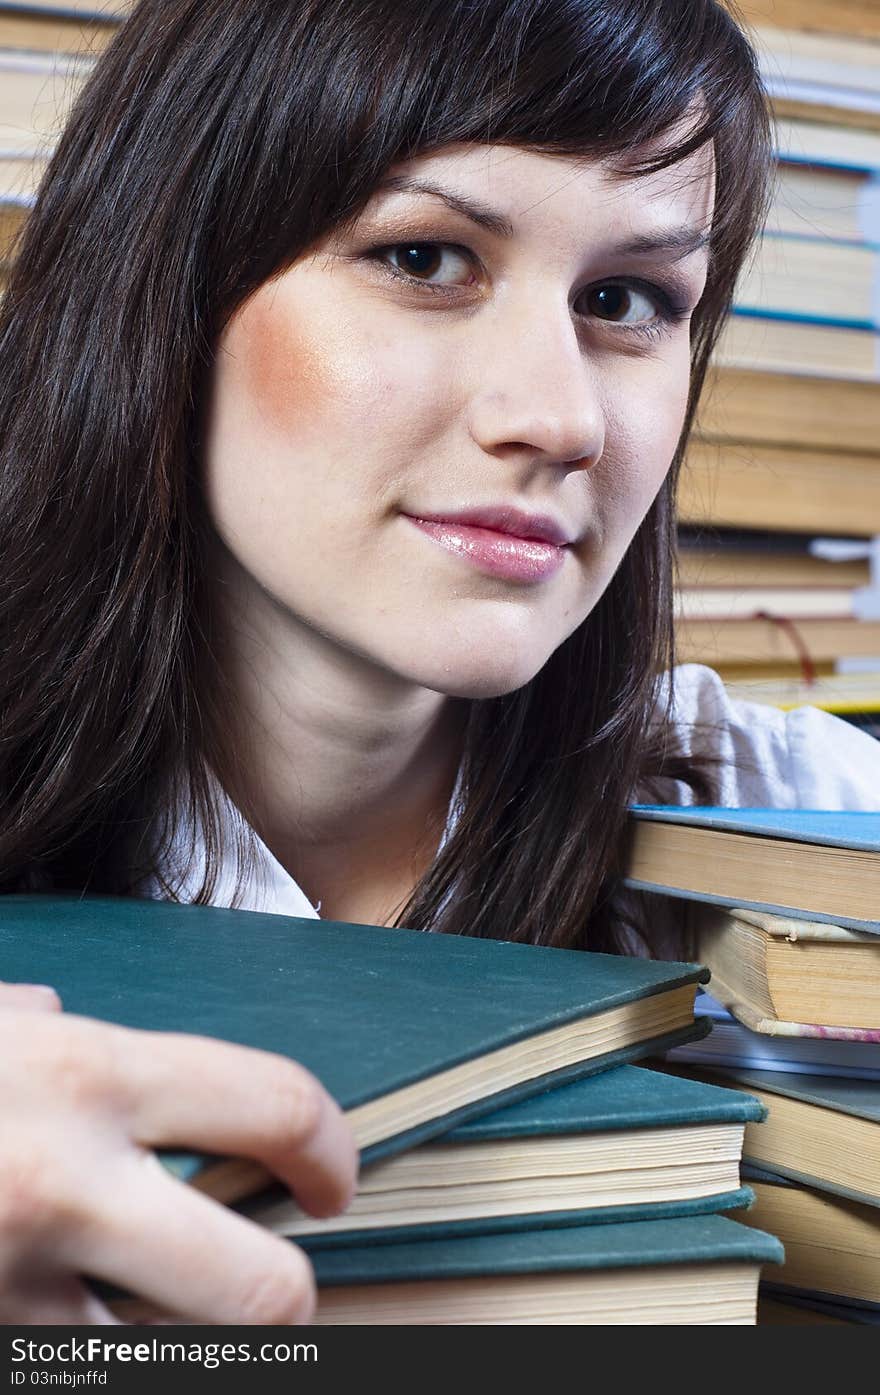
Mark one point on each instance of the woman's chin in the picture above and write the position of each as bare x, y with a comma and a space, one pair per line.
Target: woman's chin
481, 673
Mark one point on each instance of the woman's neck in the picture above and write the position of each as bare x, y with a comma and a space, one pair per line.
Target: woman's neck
345, 772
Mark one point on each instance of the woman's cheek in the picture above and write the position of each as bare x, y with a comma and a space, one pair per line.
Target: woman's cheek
660, 416
290, 371
639, 449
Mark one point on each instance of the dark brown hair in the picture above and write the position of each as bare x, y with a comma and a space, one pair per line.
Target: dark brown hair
214, 143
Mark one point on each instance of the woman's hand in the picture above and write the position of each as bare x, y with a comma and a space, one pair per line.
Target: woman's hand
83, 1103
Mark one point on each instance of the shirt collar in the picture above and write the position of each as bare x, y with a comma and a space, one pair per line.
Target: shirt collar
267, 887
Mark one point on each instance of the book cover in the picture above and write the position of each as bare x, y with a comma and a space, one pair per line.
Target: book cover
693, 1269
623, 1099
391, 1021
633, 1244
626, 1144
739, 1199
821, 827
815, 864
862, 1314
737, 1042
776, 1027
858, 1098
785, 977
832, 1244
820, 1131
753, 1173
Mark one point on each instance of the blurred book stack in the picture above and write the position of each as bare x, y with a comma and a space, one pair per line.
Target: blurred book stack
47, 48
795, 1007
787, 449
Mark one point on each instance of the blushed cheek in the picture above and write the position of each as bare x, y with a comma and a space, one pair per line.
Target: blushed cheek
283, 376
311, 369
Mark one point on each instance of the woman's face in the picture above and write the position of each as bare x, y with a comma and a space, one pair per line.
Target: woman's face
516, 347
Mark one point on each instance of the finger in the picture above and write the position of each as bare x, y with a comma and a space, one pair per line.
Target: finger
188, 1255
50, 1300
200, 1093
29, 997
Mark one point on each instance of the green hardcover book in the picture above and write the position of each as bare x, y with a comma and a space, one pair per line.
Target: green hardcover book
821, 1130
695, 1269
626, 1144
412, 1033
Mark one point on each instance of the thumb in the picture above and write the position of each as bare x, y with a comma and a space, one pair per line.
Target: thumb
29, 997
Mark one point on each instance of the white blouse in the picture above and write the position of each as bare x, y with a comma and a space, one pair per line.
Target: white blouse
805, 758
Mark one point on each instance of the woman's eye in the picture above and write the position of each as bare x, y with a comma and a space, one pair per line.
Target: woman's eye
433, 264
444, 268
623, 304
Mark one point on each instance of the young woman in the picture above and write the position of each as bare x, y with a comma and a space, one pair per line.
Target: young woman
347, 365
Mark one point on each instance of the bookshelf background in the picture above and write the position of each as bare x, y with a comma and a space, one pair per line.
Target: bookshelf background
787, 450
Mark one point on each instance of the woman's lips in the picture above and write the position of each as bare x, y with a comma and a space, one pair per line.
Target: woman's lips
498, 554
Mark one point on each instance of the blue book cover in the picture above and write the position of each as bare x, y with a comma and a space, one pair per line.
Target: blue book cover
732, 1043
812, 864
822, 827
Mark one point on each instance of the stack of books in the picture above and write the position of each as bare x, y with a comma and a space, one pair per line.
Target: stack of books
787, 439
857, 17
47, 50
809, 62
854, 696
517, 1167
786, 906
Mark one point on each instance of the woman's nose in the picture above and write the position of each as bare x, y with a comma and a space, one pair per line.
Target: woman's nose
537, 392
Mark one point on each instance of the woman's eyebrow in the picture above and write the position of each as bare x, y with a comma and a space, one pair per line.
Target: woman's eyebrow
477, 212
684, 240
